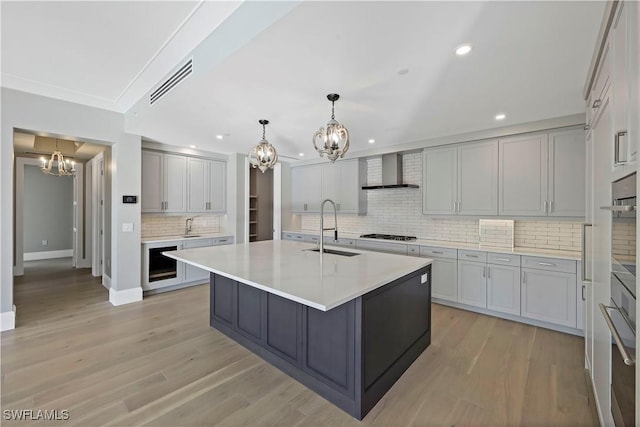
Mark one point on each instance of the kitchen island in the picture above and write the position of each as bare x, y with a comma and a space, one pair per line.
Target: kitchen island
346, 326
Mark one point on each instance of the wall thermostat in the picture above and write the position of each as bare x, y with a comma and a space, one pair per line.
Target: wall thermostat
129, 199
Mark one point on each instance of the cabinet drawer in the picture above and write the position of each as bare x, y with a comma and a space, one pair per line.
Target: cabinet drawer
348, 243
392, 248
310, 238
475, 256
291, 236
504, 259
223, 241
200, 243
550, 264
433, 252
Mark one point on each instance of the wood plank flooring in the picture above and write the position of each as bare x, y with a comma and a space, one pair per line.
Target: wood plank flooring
158, 363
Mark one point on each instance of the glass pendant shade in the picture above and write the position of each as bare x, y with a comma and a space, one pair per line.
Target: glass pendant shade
264, 155
334, 139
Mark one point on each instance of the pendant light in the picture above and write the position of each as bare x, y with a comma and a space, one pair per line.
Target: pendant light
263, 156
62, 167
334, 139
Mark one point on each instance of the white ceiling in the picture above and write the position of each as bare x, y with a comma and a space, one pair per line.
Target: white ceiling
529, 61
23, 143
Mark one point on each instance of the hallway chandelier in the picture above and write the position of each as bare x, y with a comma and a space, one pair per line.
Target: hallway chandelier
263, 156
333, 136
57, 165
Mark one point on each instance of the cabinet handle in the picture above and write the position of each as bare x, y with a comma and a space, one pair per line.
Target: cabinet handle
550, 206
596, 103
222, 241
437, 252
544, 206
305, 206
583, 298
524, 278
338, 206
488, 272
459, 203
618, 159
503, 259
583, 259
484, 271
547, 264
471, 256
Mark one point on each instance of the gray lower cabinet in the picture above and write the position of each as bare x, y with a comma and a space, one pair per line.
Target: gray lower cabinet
472, 283
503, 289
392, 248
191, 273
549, 296
350, 355
445, 279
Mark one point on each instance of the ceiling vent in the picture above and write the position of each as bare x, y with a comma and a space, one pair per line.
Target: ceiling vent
177, 77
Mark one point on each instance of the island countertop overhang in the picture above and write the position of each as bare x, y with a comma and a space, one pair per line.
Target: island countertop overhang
288, 269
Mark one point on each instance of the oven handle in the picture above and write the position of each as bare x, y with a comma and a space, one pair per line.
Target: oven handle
619, 208
628, 360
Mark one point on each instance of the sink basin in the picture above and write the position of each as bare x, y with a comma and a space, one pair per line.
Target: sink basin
187, 236
334, 252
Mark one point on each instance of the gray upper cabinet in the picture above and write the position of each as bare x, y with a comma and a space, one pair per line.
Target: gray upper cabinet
172, 183
523, 175
543, 174
461, 180
567, 174
341, 182
152, 199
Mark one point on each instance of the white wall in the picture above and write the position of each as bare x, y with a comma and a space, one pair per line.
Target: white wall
20, 110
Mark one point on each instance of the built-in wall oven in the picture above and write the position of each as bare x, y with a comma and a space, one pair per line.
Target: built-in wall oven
620, 315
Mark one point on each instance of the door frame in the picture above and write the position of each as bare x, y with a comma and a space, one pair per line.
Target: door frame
97, 215
277, 200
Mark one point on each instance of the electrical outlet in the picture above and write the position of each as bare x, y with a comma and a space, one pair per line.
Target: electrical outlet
45, 242
127, 227
424, 278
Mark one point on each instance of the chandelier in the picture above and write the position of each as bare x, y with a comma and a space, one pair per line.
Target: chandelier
263, 156
334, 139
57, 165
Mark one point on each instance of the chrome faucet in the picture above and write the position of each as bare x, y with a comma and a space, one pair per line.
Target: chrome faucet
322, 229
187, 225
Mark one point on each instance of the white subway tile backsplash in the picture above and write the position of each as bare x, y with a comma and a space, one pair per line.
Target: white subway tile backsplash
399, 211
170, 225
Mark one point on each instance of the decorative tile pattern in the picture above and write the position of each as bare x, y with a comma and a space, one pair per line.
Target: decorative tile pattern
496, 232
170, 225
399, 211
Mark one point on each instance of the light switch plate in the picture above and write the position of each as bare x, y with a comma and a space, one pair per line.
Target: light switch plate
127, 227
425, 278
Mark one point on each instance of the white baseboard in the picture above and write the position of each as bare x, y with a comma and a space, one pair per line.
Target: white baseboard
106, 281
8, 320
125, 296
35, 256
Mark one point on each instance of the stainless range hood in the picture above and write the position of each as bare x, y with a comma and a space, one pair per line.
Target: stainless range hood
391, 174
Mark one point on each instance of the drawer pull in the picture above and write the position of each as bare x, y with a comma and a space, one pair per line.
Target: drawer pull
503, 259
471, 256
547, 264
437, 252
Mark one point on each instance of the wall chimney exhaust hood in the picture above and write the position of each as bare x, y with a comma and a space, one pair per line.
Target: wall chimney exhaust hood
391, 174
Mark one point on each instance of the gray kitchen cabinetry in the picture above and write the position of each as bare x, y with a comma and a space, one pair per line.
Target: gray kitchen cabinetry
461, 180
549, 290
392, 248
206, 185
164, 182
444, 270
341, 182
472, 278
543, 174
503, 288
191, 273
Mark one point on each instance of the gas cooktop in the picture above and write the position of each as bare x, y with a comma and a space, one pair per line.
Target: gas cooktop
388, 237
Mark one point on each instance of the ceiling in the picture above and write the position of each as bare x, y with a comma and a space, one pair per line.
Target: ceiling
23, 143
393, 64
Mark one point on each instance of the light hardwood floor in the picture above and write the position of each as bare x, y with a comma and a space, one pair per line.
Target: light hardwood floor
158, 363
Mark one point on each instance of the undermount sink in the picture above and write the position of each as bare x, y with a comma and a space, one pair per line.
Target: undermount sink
187, 236
333, 252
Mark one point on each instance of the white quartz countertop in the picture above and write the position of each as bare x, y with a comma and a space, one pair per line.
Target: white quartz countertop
547, 253
160, 239
286, 269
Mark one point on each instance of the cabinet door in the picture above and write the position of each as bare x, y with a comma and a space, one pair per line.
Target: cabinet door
549, 296
444, 279
472, 283
352, 197
217, 187
620, 82
331, 181
523, 175
191, 273
197, 186
152, 193
503, 289
567, 176
175, 183
478, 178
306, 188
439, 180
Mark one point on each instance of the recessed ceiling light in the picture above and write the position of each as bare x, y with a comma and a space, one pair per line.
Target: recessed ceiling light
219, 136
371, 141
500, 116
463, 49
301, 154
192, 146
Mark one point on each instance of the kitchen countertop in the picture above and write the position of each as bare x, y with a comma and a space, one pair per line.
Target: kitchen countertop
547, 253
160, 239
286, 269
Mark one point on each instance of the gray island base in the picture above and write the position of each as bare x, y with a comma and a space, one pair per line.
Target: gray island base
351, 354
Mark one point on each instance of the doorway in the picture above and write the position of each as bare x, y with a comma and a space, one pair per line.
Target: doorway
260, 205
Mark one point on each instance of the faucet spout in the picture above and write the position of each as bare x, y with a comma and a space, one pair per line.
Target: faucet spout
187, 225
323, 229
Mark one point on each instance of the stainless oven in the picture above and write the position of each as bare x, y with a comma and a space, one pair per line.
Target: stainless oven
621, 314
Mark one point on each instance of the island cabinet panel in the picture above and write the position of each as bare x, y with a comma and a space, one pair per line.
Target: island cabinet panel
283, 327
351, 354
